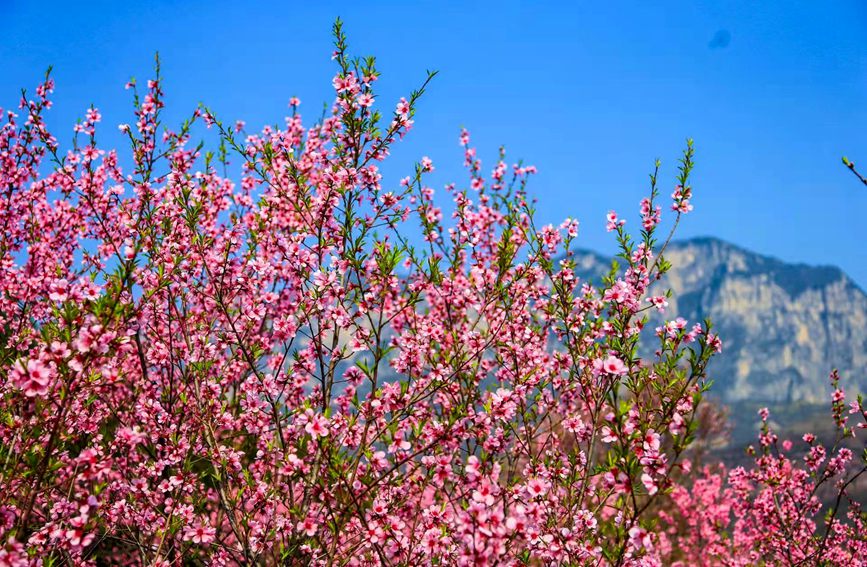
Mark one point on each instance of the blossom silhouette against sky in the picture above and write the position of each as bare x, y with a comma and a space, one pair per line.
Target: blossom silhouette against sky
591, 94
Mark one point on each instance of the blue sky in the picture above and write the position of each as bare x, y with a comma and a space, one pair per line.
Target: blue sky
590, 92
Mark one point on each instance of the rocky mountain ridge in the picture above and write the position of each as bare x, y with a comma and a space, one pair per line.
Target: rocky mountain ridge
784, 326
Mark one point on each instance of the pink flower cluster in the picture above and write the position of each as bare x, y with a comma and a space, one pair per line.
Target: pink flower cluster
240, 357
773, 512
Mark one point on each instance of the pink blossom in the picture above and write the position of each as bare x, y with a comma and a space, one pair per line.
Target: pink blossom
537, 487
31, 377
612, 365
317, 426
200, 534
649, 483
613, 222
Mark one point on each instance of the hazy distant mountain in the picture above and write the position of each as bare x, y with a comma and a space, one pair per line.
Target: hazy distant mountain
784, 326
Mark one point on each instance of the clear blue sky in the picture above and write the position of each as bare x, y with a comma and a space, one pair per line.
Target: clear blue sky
590, 92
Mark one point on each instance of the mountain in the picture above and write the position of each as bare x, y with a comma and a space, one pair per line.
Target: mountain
784, 326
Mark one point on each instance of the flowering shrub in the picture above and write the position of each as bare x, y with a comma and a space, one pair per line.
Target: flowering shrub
770, 513
271, 371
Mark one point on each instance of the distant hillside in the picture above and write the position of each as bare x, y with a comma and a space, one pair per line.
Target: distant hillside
784, 326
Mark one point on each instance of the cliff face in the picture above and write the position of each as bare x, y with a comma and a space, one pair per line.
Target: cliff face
784, 326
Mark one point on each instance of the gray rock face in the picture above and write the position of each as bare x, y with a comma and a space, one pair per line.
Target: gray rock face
784, 326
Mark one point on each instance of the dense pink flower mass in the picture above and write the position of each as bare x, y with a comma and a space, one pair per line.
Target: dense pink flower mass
239, 356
